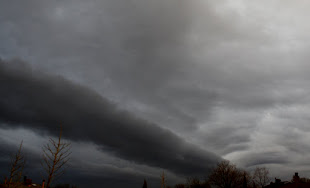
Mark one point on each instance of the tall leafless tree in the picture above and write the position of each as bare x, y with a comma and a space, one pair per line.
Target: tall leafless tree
261, 176
227, 175
55, 157
17, 166
163, 180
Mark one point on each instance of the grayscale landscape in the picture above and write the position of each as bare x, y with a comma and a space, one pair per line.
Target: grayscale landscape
154, 93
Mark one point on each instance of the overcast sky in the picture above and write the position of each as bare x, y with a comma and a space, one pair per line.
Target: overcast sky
145, 86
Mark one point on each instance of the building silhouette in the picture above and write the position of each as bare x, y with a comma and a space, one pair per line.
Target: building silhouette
296, 182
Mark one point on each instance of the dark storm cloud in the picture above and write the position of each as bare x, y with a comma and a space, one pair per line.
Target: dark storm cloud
232, 76
44, 102
137, 49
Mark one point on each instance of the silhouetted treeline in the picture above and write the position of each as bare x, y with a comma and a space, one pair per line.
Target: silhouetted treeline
226, 175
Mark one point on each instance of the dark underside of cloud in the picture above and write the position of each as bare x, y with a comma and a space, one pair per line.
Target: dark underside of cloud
42, 102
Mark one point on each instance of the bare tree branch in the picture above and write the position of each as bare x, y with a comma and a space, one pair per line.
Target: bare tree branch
261, 176
163, 180
17, 166
227, 175
55, 158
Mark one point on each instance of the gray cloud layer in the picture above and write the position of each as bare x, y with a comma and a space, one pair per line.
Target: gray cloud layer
230, 76
43, 102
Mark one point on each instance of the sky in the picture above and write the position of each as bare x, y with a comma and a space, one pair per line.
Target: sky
144, 86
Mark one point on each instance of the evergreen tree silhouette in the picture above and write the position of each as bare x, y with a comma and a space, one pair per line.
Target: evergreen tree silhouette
144, 184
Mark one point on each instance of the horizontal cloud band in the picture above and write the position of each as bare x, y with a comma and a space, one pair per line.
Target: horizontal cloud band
41, 102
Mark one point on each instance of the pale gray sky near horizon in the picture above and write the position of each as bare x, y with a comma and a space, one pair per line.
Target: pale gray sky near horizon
228, 76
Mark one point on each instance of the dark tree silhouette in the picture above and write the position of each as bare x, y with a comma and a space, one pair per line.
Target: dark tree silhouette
163, 180
193, 182
227, 175
261, 176
55, 157
17, 166
245, 181
144, 184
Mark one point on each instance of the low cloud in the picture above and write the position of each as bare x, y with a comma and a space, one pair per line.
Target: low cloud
42, 102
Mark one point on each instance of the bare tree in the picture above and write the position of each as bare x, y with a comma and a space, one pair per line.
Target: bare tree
261, 176
17, 165
195, 182
163, 180
227, 175
55, 157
